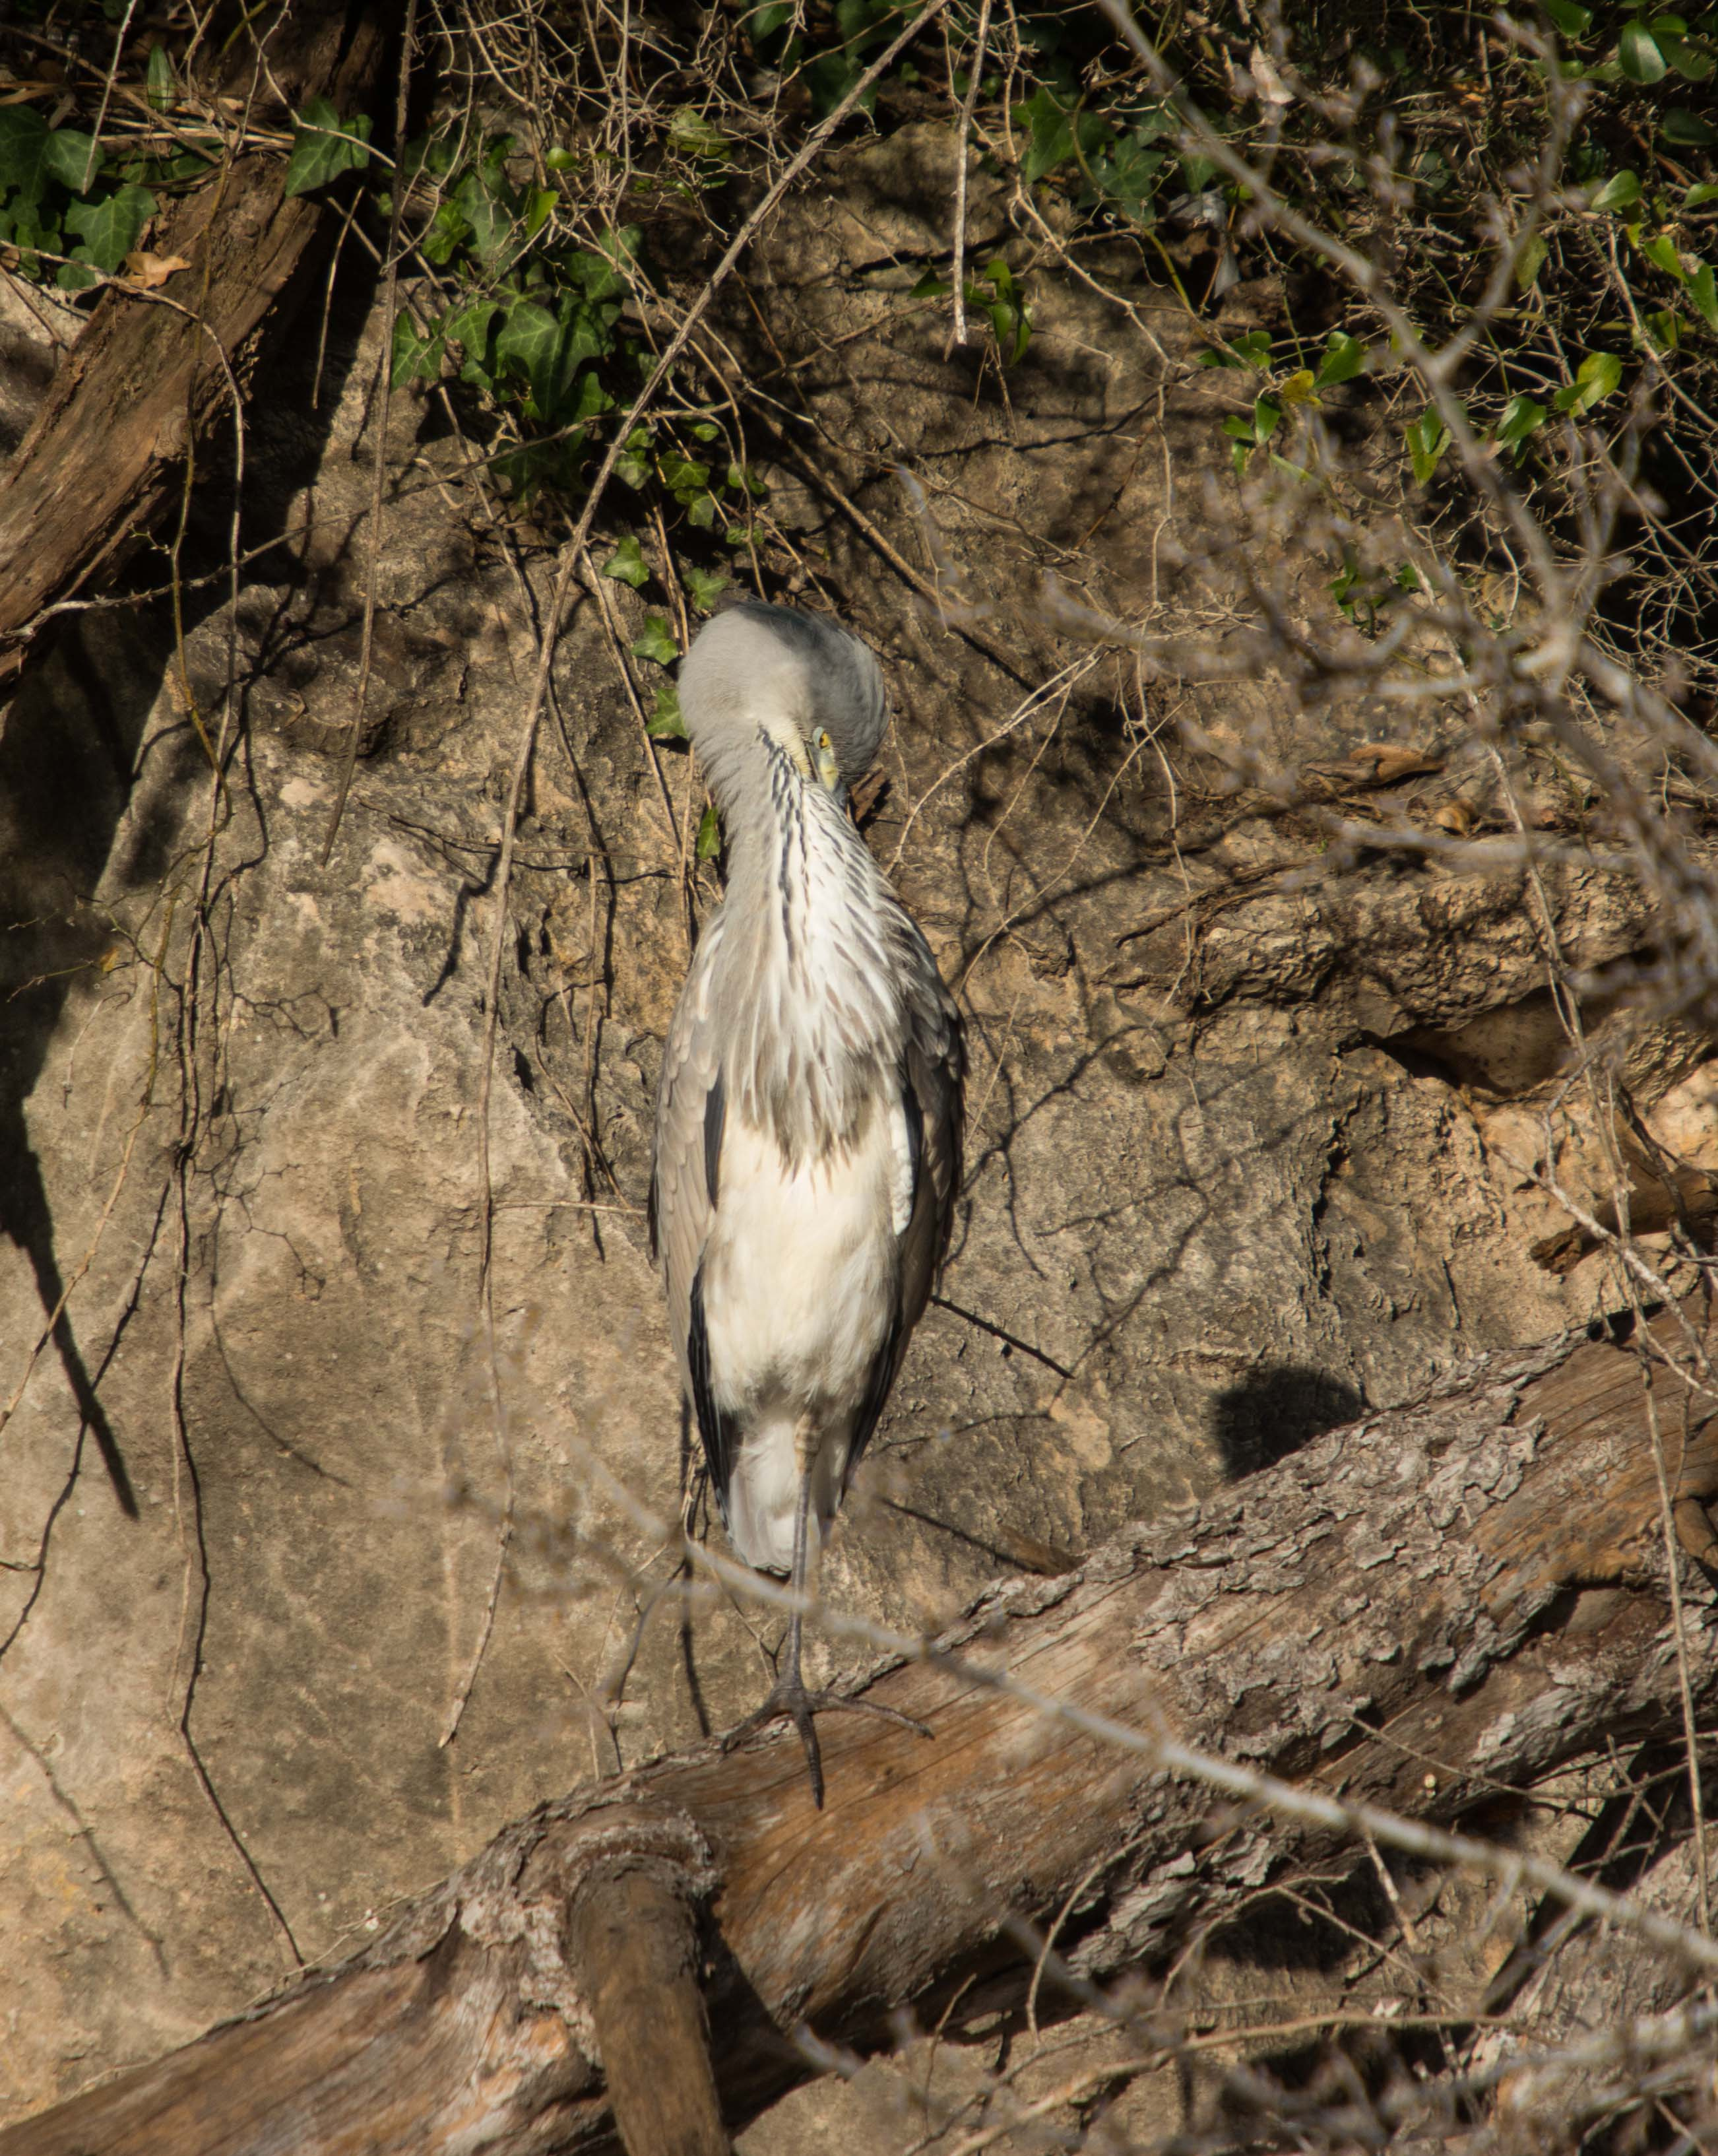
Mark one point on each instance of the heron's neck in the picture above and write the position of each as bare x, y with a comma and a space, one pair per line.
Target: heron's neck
804, 928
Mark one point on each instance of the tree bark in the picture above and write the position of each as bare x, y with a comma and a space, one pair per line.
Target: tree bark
1398, 1612
153, 373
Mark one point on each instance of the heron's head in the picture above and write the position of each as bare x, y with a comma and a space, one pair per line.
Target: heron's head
817, 689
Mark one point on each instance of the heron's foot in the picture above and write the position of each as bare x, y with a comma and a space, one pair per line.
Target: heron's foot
791, 1702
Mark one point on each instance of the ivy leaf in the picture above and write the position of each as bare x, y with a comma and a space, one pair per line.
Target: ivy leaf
1573, 21
634, 463
1618, 192
656, 641
1698, 195
706, 587
1053, 132
709, 835
468, 326
491, 212
684, 477
665, 722
1687, 129
1266, 414
415, 355
72, 158
23, 139
1344, 358
1427, 438
1638, 56
627, 563
324, 146
109, 227
1598, 376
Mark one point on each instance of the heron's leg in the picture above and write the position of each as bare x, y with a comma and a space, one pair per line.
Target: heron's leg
789, 1700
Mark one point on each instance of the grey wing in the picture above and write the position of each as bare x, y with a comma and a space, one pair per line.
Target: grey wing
684, 1170
932, 1078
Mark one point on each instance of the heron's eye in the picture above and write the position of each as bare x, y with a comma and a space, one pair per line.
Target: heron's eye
828, 764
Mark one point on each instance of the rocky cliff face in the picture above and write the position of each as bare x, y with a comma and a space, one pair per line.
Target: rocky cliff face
1246, 1144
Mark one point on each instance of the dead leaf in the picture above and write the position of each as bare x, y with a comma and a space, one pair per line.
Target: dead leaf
1457, 816
144, 271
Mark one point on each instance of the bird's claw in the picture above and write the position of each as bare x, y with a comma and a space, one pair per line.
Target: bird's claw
790, 1701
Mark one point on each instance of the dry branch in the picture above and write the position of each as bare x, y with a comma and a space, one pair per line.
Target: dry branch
152, 373
1394, 1613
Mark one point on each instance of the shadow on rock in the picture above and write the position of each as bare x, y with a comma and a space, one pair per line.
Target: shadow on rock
1275, 1410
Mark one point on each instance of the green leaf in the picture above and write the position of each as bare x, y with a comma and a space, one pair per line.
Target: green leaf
1638, 56
468, 326
159, 85
1239, 429
1664, 329
1702, 192
1530, 262
1522, 416
709, 835
416, 355
1057, 132
1427, 438
1618, 192
692, 133
447, 233
627, 563
109, 227
1598, 376
706, 587
656, 641
1706, 299
1687, 131
702, 512
324, 146
24, 146
1344, 358
491, 210
931, 286
72, 158
1690, 61
1661, 252
1129, 174
665, 723
684, 477
1266, 414
1573, 21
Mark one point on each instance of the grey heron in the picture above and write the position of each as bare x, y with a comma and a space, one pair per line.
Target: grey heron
808, 1142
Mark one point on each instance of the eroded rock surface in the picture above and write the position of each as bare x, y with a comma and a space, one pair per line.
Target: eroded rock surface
1228, 1178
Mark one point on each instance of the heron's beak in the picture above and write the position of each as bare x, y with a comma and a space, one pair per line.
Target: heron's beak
829, 771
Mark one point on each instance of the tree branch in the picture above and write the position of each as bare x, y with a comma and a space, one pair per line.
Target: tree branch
1392, 1615
147, 376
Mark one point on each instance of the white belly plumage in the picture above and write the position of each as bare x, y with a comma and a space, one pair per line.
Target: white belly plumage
799, 1288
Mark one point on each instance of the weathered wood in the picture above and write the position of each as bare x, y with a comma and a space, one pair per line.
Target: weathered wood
632, 1933
152, 373
1394, 1611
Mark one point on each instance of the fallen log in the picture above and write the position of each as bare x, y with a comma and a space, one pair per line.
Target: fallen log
1410, 1611
151, 373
